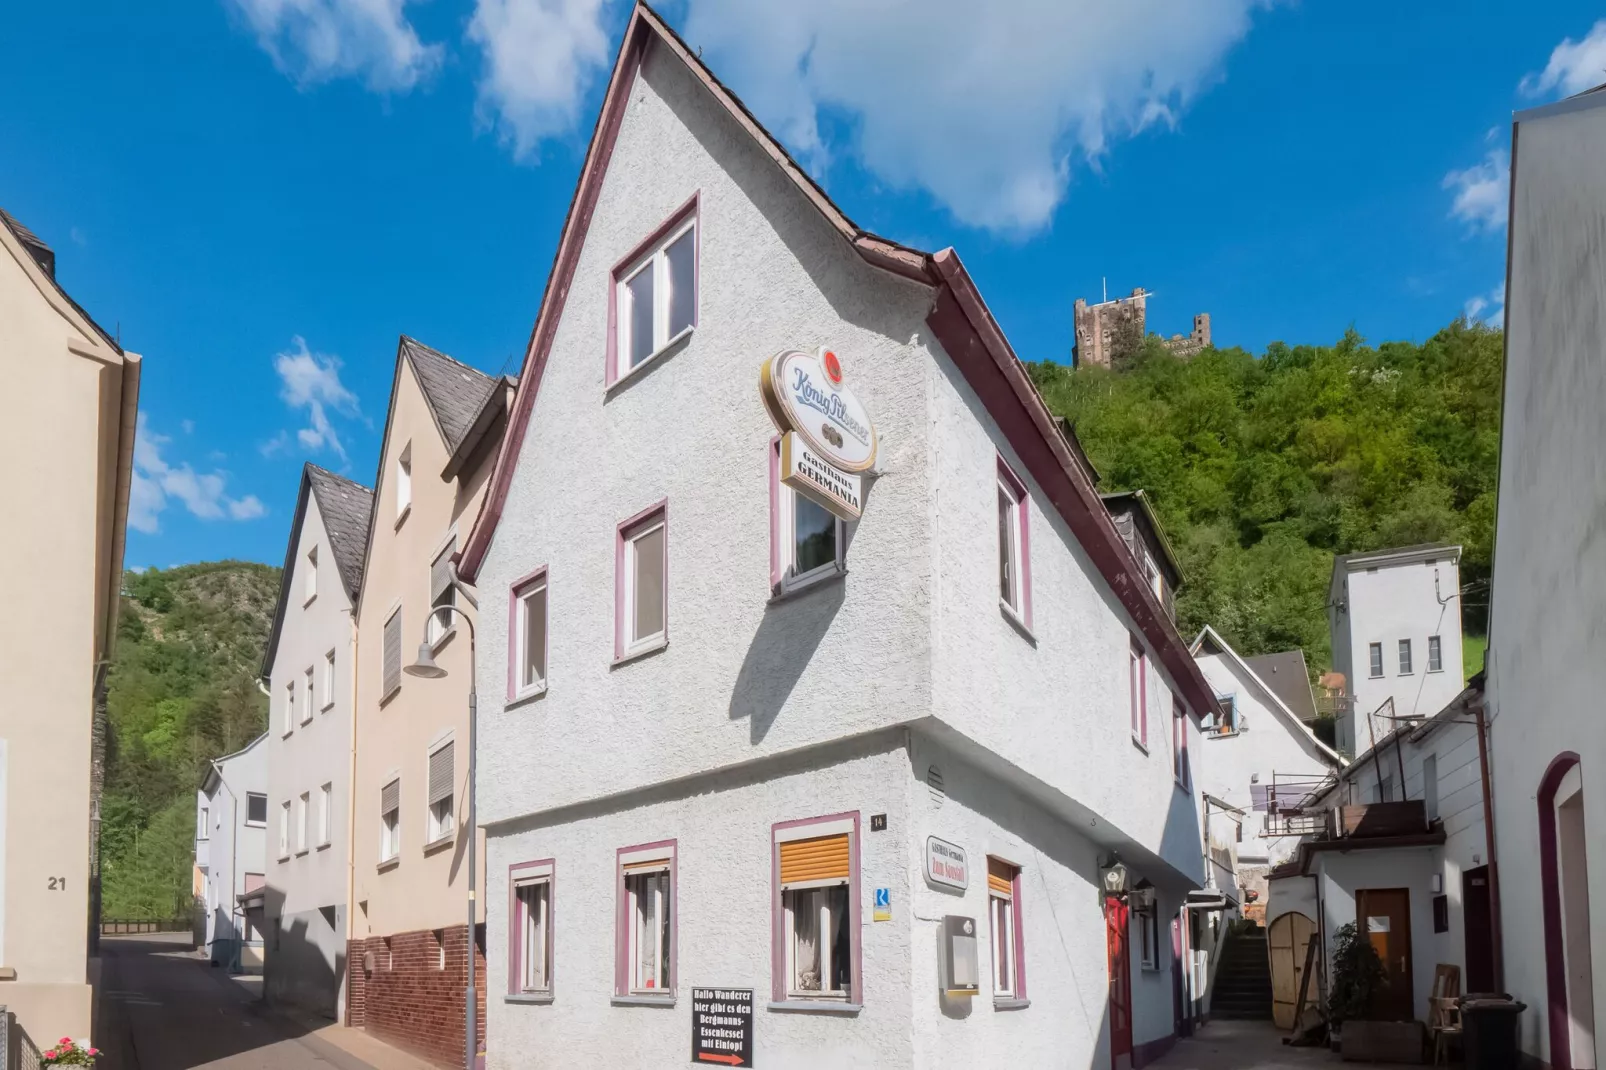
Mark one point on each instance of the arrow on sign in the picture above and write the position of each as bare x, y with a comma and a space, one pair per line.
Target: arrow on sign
733, 1060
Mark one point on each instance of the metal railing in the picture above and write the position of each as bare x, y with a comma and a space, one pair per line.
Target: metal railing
1300, 823
17, 1049
120, 927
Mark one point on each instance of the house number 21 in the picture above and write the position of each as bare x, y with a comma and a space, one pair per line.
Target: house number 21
58, 884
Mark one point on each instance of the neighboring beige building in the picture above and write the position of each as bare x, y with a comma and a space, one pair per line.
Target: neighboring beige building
406, 961
75, 396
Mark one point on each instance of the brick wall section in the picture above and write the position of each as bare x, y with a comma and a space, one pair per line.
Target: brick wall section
409, 999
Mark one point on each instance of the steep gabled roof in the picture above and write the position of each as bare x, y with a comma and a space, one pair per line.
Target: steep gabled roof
959, 319
1209, 636
45, 257
455, 392
1289, 678
346, 508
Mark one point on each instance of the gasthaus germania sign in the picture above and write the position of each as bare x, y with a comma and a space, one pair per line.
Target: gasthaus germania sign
828, 438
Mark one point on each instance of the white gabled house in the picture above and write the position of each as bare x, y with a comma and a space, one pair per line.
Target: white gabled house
724, 736
231, 817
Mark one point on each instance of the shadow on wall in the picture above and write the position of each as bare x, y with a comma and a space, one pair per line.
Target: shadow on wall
304, 956
781, 649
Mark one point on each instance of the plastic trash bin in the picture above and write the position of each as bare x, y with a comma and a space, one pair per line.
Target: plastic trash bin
1489, 1031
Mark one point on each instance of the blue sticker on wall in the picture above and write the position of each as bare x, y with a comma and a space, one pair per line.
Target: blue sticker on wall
883, 905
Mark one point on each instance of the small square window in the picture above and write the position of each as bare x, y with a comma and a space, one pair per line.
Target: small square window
643, 584
655, 296
256, 809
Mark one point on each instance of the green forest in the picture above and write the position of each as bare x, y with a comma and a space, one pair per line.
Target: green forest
1262, 469
182, 691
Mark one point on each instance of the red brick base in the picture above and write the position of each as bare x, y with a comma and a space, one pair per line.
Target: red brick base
404, 991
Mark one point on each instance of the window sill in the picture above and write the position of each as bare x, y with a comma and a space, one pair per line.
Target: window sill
284, 858
666, 1000
538, 998
1010, 1003
326, 707
388, 864
1140, 745
256, 824
301, 852
1434, 672
524, 697
1221, 735
811, 1006
384, 700
649, 360
442, 639
641, 651
787, 590
306, 722
311, 598
1182, 787
402, 516
324, 846
1015, 618
436, 844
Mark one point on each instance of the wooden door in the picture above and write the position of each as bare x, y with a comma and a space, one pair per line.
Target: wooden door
1288, 939
1384, 916
1477, 916
1115, 922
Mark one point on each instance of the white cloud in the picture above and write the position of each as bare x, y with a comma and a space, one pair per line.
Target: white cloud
314, 41
1490, 308
540, 58
1574, 66
988, 108
311, 381
157, 481
1482, 191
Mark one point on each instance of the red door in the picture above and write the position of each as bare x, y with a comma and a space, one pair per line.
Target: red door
1115, 922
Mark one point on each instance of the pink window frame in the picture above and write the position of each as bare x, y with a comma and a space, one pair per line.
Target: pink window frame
1023, 512
777, 565
778, 986
1558, 1019
515, 929
692, 209
1017, 917
621, 924
625, 528
1179, 743
1138, 687
515, 655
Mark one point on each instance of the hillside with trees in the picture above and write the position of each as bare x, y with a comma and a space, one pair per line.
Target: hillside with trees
1262, 469
182, 691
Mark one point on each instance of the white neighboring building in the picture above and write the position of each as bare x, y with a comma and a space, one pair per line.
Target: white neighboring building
307, 670
231, 810
1395, 619
722, 736
1546, 640
1257, 742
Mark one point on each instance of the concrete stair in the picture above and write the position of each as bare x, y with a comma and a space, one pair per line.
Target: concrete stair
1242, 988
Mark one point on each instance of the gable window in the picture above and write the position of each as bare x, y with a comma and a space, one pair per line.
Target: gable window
1375, 650
654, 298
303, 805
646, 921
256, 810
1405, 657
284, 830
1179, 745
807, 542
528, 670
642, 595
311, 582
1435, 655
442, 593
1226, 722
325, 814
390, 662
404, 482
204, 831
817, 910
289, 708
1138, 691
1014, 548
329, 680
390, 821
307, 706
530, 931
1003, 914
441, 770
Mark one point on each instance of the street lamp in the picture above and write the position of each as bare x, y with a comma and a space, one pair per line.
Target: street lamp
425, 668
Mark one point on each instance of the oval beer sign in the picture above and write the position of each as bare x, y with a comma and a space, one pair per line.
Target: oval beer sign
804, 393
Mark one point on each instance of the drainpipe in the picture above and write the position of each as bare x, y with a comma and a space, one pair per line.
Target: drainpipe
1488, 836
351, 816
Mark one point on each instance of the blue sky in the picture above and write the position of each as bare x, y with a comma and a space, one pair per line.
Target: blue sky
260, 195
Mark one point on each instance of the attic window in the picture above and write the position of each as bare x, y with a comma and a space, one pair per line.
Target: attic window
654, 295
311, 581
404, 482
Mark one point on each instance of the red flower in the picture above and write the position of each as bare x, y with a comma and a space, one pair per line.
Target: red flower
65, 1041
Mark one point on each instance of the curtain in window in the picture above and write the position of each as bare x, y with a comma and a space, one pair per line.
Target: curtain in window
806, 931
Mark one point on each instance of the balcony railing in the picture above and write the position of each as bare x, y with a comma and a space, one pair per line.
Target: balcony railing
1300, 823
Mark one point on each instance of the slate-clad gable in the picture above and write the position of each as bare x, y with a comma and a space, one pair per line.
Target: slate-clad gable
455, 392
346, 507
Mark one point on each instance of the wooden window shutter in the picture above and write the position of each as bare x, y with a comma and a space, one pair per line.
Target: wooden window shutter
393, 652
1000, 877
440, 774
820, 859
390, 797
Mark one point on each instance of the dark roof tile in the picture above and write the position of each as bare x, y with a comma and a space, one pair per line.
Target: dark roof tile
455, 392
345, 507
1289, 680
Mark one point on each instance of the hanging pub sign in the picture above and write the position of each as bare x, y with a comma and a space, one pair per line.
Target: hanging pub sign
827, 486
804, 392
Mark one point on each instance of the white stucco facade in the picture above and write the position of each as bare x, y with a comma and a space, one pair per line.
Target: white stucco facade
232, 851
309, 755
842, 699
1549, 584
1390, 598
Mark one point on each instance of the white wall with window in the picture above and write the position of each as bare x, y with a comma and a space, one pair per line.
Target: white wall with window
233, 802
438, 821
655, 295
646, 925
642, 583
527, 670
808, 544
390, 822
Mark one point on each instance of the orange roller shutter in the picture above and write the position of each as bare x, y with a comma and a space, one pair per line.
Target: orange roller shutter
1000, 877
823, 858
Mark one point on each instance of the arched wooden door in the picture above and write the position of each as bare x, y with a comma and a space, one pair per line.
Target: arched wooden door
1287, 938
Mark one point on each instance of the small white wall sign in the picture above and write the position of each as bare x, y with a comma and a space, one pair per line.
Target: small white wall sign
946, 864
806, 472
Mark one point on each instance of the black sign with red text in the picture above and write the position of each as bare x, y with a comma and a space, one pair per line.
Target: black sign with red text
722, 1026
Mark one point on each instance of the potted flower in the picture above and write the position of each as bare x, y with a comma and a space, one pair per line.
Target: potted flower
68, 1053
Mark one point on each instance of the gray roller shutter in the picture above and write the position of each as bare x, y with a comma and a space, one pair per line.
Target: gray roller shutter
393, 653
440, 573
440, 774
390, 798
